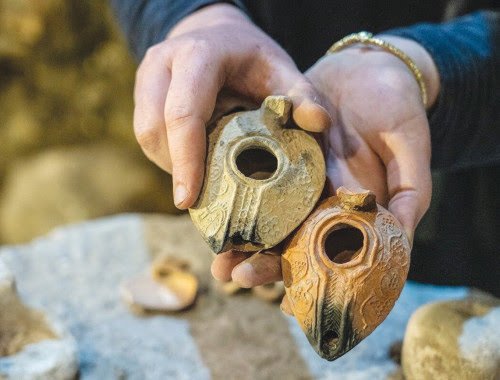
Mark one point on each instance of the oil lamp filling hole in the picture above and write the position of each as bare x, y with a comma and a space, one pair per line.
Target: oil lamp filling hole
343, 244
257, 163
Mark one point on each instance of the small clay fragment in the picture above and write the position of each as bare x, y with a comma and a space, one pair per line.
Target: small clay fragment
272, 292
169, 287
343, 271
263, 177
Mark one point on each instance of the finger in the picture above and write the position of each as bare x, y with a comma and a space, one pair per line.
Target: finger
407, 159
308, 112
151, 86
259, 269
269, 73
309, 107
224, 263
189, 105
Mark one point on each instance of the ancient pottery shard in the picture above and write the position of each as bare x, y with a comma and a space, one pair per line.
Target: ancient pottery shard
263, 177
344, 269
169, 287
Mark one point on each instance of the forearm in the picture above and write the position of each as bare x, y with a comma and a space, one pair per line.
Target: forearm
465, 119
147, 22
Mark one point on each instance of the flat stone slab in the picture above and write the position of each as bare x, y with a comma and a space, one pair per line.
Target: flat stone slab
74, 273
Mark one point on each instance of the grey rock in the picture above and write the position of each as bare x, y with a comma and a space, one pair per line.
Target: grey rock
42, 349
46, 360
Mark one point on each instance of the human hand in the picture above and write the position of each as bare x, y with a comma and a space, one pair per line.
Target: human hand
178, 82
379, 140
380, 136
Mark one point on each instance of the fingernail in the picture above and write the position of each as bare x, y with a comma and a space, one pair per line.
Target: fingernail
328, 118
312, 116
243, 274
180, 194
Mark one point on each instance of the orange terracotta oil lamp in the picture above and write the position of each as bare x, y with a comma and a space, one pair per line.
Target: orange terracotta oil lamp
344, 269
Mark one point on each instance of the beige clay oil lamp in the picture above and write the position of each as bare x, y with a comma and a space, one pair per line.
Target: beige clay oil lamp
262, 179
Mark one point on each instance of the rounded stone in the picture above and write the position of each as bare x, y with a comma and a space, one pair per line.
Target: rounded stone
169, 287
453, 340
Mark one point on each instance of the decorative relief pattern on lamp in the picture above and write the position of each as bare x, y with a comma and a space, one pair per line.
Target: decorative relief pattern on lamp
263, 177
344, 269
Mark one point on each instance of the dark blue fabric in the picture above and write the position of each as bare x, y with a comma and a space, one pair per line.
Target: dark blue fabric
147, 22
465, 123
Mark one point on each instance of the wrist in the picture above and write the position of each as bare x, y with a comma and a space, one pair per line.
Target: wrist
210, 15
424, 62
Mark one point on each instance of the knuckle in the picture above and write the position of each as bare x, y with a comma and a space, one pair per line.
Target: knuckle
194, 46
155, 52
148, 138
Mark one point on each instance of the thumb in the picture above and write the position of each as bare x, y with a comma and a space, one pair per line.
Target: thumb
309, 106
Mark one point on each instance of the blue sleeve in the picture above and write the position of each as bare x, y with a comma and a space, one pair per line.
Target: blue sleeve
465, 121
147, 22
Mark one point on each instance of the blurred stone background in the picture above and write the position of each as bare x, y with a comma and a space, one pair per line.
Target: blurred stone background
67, 150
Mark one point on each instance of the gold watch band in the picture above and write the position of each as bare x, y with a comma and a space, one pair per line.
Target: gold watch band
367, 38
